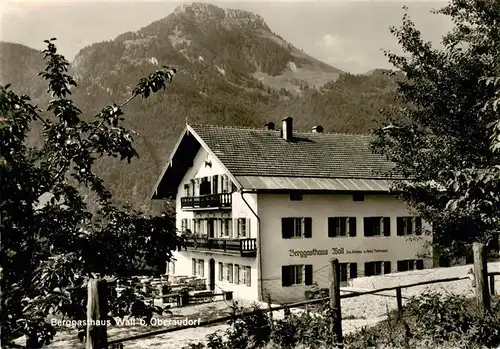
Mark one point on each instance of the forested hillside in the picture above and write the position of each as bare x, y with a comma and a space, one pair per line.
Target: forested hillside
232, 70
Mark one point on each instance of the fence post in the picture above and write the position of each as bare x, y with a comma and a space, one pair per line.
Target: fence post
399, 299
481, 276
336, 322
492, 285
97, 313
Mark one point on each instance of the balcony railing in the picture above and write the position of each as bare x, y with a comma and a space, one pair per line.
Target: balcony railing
222, 200
245, 247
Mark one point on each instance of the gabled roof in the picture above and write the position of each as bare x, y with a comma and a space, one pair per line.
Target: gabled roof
260, 159
262, 152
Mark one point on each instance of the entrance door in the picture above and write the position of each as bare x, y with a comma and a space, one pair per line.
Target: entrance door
211, 274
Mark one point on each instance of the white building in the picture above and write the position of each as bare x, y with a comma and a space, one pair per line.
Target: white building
271, 208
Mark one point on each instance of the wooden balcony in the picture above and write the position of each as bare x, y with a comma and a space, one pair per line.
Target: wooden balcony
210, 201
244, 247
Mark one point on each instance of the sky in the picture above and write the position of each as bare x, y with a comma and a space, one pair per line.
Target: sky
349, 35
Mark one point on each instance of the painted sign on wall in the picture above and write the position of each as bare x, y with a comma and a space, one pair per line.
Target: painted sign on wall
332, 251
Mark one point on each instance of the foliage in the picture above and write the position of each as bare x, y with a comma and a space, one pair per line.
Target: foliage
441, 138
51, 242
454, 318
201, 94
256, 329
430, 320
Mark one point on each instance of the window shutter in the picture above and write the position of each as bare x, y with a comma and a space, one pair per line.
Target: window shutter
352, 226
285, 276
236, 274
230, 273
235, 231
368, 269
418, 225
286, 227
193, 262
368, 226
214, 184
400, 226
387, 226
308, 271
420, 264
387, 267
331, 227
353, 272
247, 232
248, 276
308, 227
221, 271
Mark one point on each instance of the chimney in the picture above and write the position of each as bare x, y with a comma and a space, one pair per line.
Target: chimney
269, 125
317, 129
287, 132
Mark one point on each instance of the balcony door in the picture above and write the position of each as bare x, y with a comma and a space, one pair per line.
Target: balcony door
204, 186
211, 228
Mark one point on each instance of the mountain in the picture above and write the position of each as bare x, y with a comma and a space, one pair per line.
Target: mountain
19, 66
232, 70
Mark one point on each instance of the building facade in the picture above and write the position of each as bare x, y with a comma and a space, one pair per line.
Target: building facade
265, 210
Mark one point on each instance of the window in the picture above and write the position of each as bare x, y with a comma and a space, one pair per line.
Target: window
242, 227
373, 268
296, 197
296, 227
184, 222
226, 227
377, 226
296, 275
410, 264
248, 276
358, 197
187, 190
221, 271
341, 226
406, 265
229, 273
201, 268
197, 226
236, 274
409, 226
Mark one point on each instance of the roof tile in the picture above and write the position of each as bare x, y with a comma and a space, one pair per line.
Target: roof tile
262, 152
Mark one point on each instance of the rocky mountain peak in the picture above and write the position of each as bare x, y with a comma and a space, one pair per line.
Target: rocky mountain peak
201, 12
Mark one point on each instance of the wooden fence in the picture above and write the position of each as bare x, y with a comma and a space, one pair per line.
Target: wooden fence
482, 292
97, 303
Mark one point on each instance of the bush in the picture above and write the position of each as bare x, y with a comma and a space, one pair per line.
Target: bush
430, 320
454, 318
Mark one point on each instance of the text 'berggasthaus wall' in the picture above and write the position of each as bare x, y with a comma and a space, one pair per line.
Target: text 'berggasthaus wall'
333, 251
